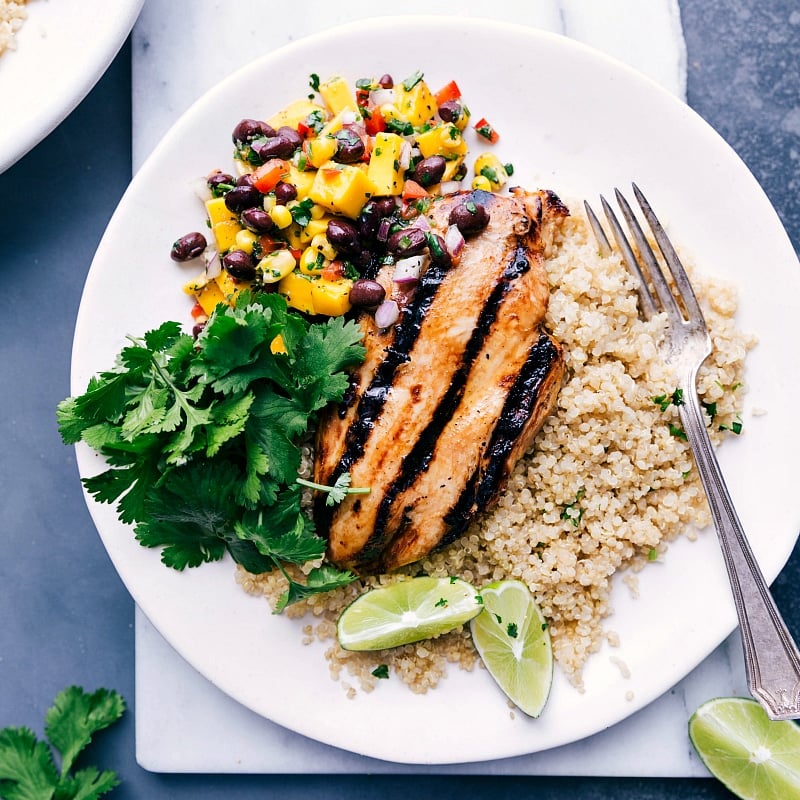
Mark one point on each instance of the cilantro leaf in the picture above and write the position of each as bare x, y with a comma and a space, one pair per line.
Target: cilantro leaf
76, 716
27, 771
27, 768
203, 438
320, 579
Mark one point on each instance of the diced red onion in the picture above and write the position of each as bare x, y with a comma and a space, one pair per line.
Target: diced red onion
453, 241
213, 263
405, 155
349, 117
381, 96
448, 187
383, 229
387, 313
200, 188
421, 222
408, 269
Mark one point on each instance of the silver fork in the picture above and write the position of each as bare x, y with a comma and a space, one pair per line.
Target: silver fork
772, 661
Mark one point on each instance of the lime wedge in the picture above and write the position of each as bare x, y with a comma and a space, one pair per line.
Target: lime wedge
513, 640
406, 612
754, 756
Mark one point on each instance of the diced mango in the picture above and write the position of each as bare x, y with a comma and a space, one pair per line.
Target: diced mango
295, 113
230, 287
209, 297
278, 346
331, 298
418, 105
337, 95
384, 169
335, 123
442, 140
296, 288
218, 212
320, 149
341, 188
300, 180
225, 234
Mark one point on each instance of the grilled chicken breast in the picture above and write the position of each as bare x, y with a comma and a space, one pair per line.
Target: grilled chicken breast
450, 396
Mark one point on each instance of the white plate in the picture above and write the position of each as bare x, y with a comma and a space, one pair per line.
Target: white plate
62, 50
572, 120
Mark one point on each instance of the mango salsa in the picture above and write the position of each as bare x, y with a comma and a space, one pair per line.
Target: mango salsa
356, 141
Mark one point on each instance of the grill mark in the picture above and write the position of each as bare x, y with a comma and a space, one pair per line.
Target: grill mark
373, 399
419, 458
483, 485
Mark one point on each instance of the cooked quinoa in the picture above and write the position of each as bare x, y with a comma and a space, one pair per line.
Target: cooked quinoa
607, 485
12, 15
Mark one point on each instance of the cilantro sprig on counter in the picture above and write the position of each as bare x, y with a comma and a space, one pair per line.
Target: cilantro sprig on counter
28, 769
203, 438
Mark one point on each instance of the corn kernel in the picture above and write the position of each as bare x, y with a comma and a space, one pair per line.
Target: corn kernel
312, 261
482, 182
276, 265
489, 166
281, 216
245, 240
269, 202
317, 211
322, 245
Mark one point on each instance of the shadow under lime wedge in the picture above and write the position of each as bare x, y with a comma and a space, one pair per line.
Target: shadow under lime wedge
755, 757
513, 639
407, 611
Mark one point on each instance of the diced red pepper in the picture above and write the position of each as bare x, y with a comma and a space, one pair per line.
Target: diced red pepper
485, 129
267, 176
448, 92
198, 311
413, 191
374, 123
333, 271
269, 245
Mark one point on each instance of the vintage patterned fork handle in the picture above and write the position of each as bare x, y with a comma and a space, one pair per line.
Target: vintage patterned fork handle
772, 661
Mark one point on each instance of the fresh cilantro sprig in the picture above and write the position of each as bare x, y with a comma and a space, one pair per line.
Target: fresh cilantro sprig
28, 767
336, 493
203, 437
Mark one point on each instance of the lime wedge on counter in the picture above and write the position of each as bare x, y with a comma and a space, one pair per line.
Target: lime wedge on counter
407, 612
755, 757
513, 640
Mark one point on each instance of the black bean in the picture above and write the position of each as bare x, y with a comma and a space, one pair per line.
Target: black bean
343, 235
386, 206
365, 293
239, 265
429, 171
386, 81
407, 242
241, 197
291, 135
274, 147
349, 146
469, 217
284, 192
188, 247
256, 220
249, 129
451, 111
245, 180
219, 182
374, 211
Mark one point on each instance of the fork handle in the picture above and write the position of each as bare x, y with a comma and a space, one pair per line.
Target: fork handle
772, 660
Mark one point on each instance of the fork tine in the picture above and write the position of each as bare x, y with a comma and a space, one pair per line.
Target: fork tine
671, 257
646, 304
660, 284
597, 229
